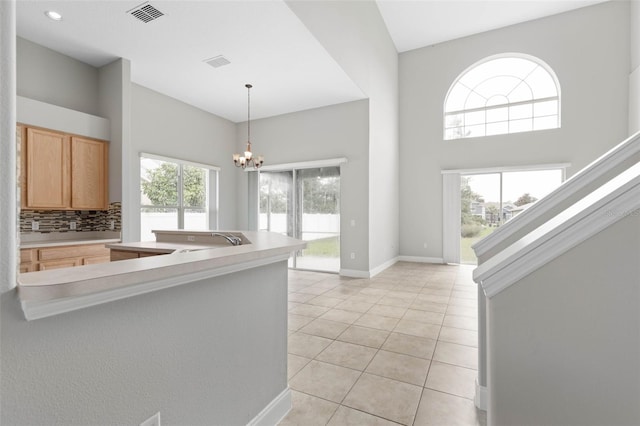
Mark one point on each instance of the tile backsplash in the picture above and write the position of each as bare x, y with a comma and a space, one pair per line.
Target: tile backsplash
60, 220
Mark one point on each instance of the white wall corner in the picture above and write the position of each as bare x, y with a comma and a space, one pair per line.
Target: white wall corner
375, 271
354, 273
481, 397
275, 411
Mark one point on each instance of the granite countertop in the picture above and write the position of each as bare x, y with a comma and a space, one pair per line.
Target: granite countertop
38, 240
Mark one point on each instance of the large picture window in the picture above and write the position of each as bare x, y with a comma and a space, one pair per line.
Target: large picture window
501, 95
174, 194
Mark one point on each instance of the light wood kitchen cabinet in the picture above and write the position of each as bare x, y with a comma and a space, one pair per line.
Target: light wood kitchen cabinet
89, 171
128, 254
47, 169
55, 257
63, 172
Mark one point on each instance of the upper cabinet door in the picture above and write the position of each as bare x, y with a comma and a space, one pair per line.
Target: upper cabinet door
89, 174
47, 169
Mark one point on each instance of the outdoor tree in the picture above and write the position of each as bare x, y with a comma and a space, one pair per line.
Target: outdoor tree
161, 186
526, 198
493, 213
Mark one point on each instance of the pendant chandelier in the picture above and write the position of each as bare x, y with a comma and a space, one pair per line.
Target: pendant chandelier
248, 158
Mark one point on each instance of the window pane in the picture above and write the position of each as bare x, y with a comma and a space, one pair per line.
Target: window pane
194, 186
475, 101
541, 123
545, 108
457, 98
497, 100
455, 133
498, 114
195, 219
472, 118
157, 218
521, 93
520, 111
159, 182
517, 126
542, 84
474, 131
453, 120
498, 85
500, 128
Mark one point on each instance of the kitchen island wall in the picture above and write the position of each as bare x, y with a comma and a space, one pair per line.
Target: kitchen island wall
209, 352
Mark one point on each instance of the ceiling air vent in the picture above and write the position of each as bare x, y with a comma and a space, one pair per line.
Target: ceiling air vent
217, 61
145, 12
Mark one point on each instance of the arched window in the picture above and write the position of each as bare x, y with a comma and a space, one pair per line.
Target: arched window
500, 95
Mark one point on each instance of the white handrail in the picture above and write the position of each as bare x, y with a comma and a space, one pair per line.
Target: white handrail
616, 199
577, 182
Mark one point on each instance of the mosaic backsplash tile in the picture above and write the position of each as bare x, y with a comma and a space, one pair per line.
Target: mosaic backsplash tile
60, 220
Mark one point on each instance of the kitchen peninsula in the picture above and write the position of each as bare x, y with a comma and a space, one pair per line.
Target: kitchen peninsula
199, 256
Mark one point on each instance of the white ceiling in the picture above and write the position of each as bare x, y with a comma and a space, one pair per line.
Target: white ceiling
267, 44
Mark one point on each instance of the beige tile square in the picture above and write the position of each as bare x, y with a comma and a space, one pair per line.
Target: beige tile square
463, 311
324, 380
349, 305
324, 328
436, 291
467, 323
347, 355
346, 416
459, 336
292, 305
309, 310
306, 345
313, 290
374, 291
394, 301
420, 329
423, 305
364, 336
328, 302
297, 321
387, 311
308, 410
387, 398
433, 298
410, 345
377, 321
295, 364
365, 298
339, 315
399, 367
459, 293
299, 297
451, 353
469, 303
437, 408
452, 379
424, 316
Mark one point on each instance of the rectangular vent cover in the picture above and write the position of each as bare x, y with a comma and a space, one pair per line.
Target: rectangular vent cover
145, 12
217, 61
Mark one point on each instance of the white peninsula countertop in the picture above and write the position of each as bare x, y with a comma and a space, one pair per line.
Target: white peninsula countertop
47, 293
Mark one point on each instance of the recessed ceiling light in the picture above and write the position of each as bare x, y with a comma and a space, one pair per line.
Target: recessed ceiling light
53, 15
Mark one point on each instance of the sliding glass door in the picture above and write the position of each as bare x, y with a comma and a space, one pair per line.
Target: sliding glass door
304, 204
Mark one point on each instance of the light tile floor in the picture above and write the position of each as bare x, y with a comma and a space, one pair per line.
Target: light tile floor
400, 348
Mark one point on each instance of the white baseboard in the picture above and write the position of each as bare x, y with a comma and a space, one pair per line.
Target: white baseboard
481, 396
274, 411
375, 271
419, 259
354, 273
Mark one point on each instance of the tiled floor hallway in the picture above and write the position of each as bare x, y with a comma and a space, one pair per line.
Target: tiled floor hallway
398, 348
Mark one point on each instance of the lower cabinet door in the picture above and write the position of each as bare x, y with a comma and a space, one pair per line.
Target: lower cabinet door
57, 264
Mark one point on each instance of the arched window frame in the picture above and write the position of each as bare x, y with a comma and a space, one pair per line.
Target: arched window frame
480, 114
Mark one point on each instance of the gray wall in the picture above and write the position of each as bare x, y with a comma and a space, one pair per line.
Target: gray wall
165, 126
355, 35
589, 51
634, 76
317, 134
203, 353
51, 77
564, 342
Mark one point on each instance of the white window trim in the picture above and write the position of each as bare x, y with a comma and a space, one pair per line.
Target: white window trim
331, 162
